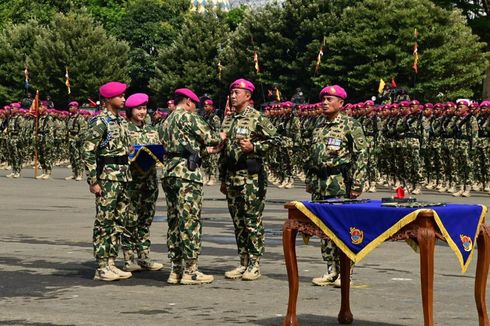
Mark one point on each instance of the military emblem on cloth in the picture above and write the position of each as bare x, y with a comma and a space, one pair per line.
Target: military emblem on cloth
467, 243
356, 236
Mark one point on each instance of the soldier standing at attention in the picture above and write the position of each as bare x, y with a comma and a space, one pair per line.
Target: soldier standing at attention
105, 155
142, 190
15, 126
45, 140
76, 127
185, 135
210, 163
336, 167
243, 179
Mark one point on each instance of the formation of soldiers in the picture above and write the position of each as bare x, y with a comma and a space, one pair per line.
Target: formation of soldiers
442, 146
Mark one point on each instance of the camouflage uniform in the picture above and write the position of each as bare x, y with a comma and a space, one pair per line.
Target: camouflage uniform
246, 187
210, 162
15, 126
76, 126
105, 155
46, 142
183, 131
337, 163
143, 194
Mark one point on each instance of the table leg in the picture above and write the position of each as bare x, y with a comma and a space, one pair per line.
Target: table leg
345, 315
482, 267
426, 240
289, 246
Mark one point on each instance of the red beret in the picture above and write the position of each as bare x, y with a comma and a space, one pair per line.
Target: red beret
112, 89
208, 102
243, 84
334, 90
137, 99
73, 103
485, 104
187, 93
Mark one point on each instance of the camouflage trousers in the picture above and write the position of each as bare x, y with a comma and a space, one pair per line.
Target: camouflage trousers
463, 164
330, 252
111, 214
46, 154
143, 194
75, 154
210, 165
184, 203
15, 159
246, 204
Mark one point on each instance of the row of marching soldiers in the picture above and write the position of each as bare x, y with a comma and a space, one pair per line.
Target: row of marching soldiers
442, 146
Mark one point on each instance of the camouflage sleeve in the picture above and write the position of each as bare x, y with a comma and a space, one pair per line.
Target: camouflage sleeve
360, 156
202, 131
264, 136
93, 137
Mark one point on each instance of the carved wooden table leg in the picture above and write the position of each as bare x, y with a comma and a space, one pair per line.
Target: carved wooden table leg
289, 246
345, 315
426, 240
482, 267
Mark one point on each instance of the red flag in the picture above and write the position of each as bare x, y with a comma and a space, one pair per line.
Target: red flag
416, 53
393, 83
256, 61
34, 109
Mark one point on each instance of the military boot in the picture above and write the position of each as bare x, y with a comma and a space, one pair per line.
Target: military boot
238, 271
104, 273
71, 177
430, 185
212, 181
459, 193
79, 178
41, 175
487, 187
192, 276
417, 190
145, 261
476, 186
452, 189
16, 175
130, 265
176, 272
444, 187
122, 274
205, 179
329, 277
372, 187
467, 192
337, 283
253, 270
47, 175
289, 184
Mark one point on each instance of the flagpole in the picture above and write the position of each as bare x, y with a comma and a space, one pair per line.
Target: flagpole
36, 132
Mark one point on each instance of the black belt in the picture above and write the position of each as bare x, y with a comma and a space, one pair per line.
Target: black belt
120, 160
328, 171
240, 165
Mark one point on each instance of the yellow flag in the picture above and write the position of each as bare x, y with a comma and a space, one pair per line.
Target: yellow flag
381, 86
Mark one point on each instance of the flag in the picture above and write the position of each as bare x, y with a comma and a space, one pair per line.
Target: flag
220, 70
34, 109
67, 82
26, 77
416, 53
393, 83
256, 61
381, 86
319, 56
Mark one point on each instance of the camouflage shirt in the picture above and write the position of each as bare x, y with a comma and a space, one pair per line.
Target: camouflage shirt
251, 124
76, 126
336, 143
184, 129
144, 135
107, 136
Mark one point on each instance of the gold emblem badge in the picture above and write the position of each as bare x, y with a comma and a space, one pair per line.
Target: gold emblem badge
356, 236
467, 243
332, 90
242, 85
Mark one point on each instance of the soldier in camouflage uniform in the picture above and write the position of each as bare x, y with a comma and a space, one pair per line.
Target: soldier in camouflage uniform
45, 141
15, 126
336, 166
210, 162
3, 138
142, 190
483, 145
185, 135
76, 126
243, 179
105, 156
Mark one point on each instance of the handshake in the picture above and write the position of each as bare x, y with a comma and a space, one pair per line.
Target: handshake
216, 149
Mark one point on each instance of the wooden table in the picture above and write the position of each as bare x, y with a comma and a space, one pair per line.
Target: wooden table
423, 230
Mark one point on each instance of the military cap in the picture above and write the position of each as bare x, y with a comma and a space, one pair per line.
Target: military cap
187, 93
243, 84
334, 90
15, 105
404, 103
474, 105
429, 105
170, 102
74, 103
208, 102
135, 100
463, 102
368, 103
485, 104
112, 89
414, 102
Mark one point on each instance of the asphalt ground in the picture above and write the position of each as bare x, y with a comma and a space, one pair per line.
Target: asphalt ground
47, 266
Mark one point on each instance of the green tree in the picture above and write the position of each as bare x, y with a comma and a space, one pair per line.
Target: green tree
376, 39
92, 57
16, 46
191, 60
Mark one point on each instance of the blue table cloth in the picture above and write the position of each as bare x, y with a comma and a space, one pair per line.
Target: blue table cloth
358, 228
